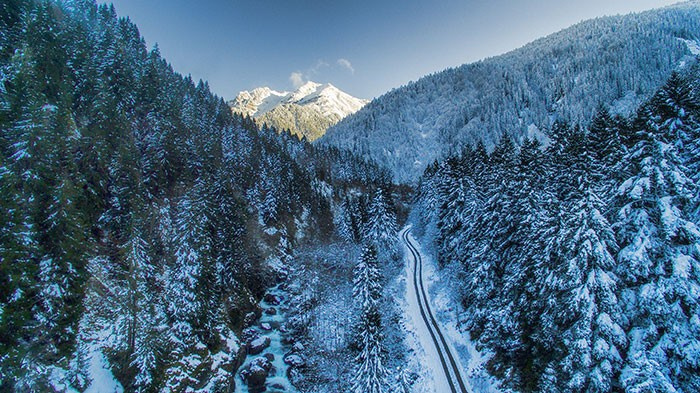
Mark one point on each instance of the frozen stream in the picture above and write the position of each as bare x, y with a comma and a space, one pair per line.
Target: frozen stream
270, 325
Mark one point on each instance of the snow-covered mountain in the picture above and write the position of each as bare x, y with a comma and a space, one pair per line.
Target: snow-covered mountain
617, 61
308, 111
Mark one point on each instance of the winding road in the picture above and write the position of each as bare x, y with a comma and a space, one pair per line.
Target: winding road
450, 367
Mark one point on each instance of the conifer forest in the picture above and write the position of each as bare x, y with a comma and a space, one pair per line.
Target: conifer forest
525, 223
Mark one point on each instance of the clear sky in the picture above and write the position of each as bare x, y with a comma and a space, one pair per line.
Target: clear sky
365, 47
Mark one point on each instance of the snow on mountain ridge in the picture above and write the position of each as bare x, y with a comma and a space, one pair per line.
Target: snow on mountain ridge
618, 61
258, 100
304, 90
307, 111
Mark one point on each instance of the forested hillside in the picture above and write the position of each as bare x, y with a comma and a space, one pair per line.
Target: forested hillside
152, 241
578, 264
619, 60
137, 214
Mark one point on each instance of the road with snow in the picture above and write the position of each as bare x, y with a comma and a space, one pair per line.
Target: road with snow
447, 372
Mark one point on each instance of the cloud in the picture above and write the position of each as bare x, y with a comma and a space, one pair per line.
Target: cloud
345, 63
316, 68
297, 78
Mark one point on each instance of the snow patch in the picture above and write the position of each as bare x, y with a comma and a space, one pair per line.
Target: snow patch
692, 45
103, 380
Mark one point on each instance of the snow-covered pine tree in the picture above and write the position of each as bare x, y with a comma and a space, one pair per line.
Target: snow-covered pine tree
581, 277
605, 140
643, 375
659, 258
459, 202
484, 245
678, 105
357, 217
381, 230
344, 221
523, 252
403, 384
370, 375
426, 208
192, 249
692, 143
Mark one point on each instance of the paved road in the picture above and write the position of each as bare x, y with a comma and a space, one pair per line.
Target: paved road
447, 359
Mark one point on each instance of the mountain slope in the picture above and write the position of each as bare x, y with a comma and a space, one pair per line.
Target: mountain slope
619, 60
308, 111
140, 220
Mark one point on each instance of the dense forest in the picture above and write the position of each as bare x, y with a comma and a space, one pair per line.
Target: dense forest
578, 262
137, 214
619, 60
153, 241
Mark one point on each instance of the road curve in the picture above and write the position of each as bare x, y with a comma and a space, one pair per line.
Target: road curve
447, 360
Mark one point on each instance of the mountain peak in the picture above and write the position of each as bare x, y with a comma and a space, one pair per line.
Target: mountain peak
308, 111
309, 86
305, 90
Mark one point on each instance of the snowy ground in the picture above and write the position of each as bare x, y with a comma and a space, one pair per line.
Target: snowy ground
100, 377
432, 378
426, 362
103, 380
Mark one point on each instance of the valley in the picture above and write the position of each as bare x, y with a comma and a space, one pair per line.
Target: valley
527, 222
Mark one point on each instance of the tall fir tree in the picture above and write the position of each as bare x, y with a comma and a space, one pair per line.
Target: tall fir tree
659, 257
370, 374
582, 277
381, 227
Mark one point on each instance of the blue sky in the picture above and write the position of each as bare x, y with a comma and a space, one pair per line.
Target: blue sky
363, 47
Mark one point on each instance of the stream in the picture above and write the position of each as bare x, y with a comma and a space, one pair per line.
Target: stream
265, 369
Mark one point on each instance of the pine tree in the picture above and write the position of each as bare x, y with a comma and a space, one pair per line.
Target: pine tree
460, 202
485, 267
140, 320
184, 308
659, 258
381, 226
677, 104
605, 140
643, 375
369, 372
585, 284
403, 385
344, 221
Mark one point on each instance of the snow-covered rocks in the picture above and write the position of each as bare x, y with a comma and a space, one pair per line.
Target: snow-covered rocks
271, 299
294, 360
271, 311
249, 319
267, 344
257, 372
258, 345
